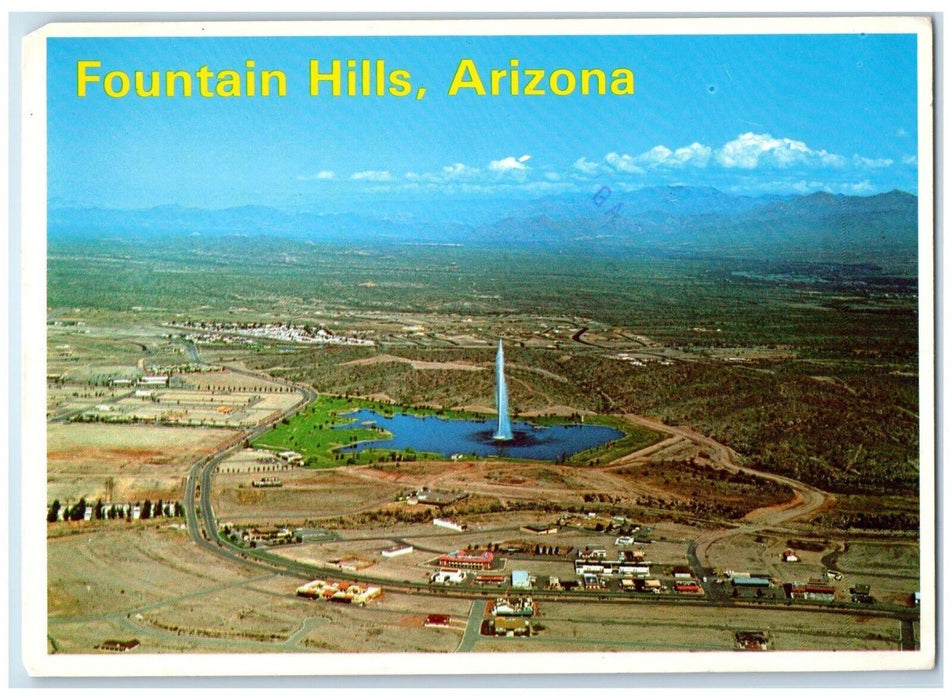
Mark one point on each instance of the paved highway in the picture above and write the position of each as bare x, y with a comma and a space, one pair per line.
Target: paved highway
204, 531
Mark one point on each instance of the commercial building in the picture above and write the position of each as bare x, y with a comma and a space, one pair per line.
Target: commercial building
687, 587
437, 498
540, 529
611, 568
682, 572
511, 626
591, 582
463, 559
335, 592
814, 590
154, 380
519, 606
751, 582
291, 457
443, 522
448, 576
437, 621
521, 579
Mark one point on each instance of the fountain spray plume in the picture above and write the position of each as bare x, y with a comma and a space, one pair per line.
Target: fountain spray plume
504, 429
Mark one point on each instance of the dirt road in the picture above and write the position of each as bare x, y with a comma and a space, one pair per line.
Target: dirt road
807, 499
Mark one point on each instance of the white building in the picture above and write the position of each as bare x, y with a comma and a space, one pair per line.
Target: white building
448, 576
442, 522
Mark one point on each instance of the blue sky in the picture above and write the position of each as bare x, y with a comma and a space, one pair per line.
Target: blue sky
746, 114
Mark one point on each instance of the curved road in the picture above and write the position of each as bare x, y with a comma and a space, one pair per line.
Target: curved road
807, 499
203, 529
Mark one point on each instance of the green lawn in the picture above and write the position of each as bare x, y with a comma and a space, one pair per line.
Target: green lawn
315, 434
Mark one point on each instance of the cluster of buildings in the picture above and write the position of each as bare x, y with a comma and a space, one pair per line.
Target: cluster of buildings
268, 537
511, 616
118, 645
753, 640
628, 572
292, 458
641, 585
629, 564
284, 332
145, 382
336, 592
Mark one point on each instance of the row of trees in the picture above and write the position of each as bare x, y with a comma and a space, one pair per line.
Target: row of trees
100, 511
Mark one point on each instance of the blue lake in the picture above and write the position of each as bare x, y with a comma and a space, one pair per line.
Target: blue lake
448, 437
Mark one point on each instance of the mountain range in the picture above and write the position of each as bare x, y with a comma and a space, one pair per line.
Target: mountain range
819, 227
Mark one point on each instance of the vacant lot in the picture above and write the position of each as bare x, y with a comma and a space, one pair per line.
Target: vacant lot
659, 627
117, 566
121, 581
304, 493
124, 463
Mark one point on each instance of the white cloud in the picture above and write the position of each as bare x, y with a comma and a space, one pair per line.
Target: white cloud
322, 175
872, 162
587, 167
509, 163
448, 173
372, 175
865, 187
657, 155
623, 163
910, 160
751, 150
696, 154
458, 170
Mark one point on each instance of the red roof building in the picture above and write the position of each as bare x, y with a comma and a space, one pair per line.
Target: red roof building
463, 559
814, 590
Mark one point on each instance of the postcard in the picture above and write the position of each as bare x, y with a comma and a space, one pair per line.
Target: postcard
478, 346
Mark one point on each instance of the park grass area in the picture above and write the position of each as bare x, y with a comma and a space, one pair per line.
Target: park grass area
636, 438
317, 433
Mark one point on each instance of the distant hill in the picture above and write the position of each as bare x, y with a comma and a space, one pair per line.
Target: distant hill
818, 227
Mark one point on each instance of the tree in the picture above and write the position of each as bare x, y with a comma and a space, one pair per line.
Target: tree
53, 515
78, 512
146, 511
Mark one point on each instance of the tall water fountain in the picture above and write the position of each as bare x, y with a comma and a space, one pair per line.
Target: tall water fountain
504, 429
